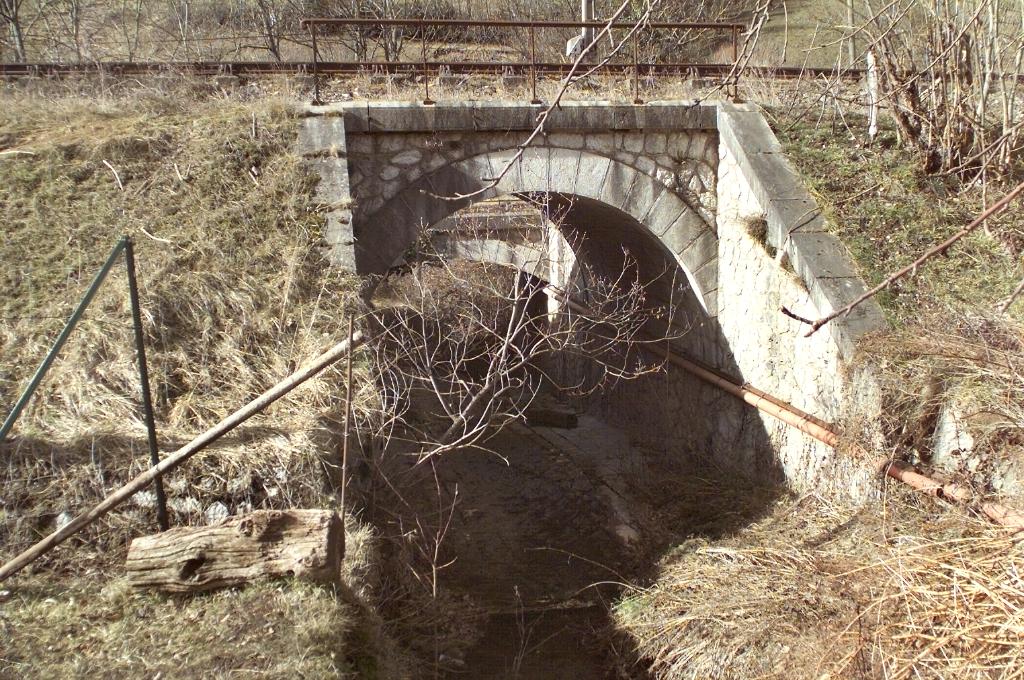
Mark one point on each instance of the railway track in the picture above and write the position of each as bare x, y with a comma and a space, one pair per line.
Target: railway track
256, 68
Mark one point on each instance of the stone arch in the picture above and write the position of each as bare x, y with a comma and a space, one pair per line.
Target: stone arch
597, 187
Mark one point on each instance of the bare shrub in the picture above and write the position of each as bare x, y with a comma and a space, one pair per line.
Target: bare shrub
950, 73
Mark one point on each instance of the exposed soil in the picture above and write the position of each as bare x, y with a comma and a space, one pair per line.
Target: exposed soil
547, 527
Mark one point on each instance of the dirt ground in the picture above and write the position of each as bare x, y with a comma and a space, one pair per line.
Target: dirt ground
547, 527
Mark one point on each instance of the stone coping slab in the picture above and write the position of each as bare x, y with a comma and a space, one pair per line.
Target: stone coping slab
462, 116
796, 225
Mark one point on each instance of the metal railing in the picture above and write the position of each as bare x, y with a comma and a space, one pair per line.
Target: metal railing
361, 32
124, 245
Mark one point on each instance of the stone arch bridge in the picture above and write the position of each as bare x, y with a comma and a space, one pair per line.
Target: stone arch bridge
699, 191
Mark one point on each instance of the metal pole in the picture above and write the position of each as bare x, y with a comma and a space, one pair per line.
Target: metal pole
61, 339
735, 62
533, 64
147, 400
348, 415
426, 72
316, 67
636, 72
587, 14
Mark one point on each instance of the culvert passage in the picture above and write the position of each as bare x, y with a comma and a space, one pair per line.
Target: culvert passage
529, 538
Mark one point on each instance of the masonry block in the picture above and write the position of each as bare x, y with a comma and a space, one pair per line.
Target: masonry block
617, 183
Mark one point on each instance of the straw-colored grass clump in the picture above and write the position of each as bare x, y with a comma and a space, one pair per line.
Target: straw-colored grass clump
892, 590
235, 294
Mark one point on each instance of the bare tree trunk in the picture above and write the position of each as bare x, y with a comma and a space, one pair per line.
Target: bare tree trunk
852, 43
10, 12
872, 82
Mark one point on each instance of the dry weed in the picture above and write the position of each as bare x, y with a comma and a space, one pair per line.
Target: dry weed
896, 589
234, 291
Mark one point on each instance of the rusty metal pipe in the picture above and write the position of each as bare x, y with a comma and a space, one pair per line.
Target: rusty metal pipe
756, 398
954, 493
822, 431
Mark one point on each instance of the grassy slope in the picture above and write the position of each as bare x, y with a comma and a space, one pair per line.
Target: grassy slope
814, 590
234, 294
888, 212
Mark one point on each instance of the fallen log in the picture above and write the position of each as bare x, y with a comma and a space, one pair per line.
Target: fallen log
304, 544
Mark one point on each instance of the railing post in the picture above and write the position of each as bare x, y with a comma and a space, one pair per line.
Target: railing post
147, 399
735, 61
316, 66
426, 71
61, 339
533, 64
636, 69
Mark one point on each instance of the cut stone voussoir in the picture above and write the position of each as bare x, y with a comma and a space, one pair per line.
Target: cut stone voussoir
305, 544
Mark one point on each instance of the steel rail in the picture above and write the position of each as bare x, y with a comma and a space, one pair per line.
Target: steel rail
12, 70
469, 23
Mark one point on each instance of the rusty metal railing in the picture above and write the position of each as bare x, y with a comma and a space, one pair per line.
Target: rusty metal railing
364, 31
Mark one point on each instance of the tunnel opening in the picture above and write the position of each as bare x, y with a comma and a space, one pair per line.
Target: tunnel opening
528, 534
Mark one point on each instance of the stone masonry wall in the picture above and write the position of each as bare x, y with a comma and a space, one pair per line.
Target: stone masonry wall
381, 165
759, 243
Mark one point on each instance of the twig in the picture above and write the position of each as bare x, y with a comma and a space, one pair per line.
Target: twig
542, 117
1013, 297
155, 238
916, 264
793, 315
11, 152
116, 176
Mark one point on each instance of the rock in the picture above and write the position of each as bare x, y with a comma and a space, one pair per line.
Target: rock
144, 499
186, 505
216, 513
64, 519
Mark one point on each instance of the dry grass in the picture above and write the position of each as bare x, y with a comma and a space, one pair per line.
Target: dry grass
234, 292
896, 589
83, 628
973, 365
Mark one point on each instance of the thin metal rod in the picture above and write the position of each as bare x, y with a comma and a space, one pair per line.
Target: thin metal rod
316, 68
426, 71
353, 67
735, 61
348, 414
467, 23
61, 339
533, 64
636, 72
147, 399
180, 456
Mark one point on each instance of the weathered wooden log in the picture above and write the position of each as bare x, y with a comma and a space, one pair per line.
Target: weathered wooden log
306, 544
